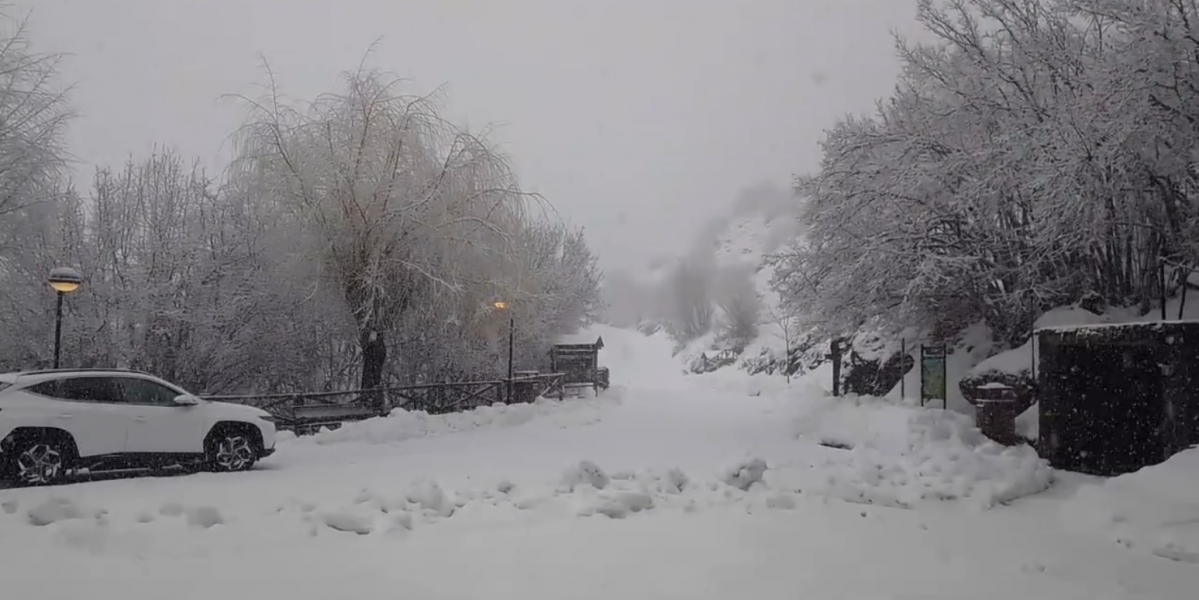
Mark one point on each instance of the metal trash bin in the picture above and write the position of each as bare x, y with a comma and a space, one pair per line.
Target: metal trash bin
995, 413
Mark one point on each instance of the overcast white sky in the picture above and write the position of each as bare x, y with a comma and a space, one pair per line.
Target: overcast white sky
638, 119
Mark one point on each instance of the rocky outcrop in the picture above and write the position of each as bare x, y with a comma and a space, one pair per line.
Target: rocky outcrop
875, 377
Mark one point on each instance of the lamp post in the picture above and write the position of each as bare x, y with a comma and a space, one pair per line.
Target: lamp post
502, 306
64, 280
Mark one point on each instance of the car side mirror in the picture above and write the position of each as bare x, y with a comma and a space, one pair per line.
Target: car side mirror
186, 400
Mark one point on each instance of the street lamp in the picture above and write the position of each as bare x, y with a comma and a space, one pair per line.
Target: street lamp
502, 306
64, 280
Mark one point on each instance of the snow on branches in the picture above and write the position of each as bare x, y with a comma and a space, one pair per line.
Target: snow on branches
362, 240
1038, 151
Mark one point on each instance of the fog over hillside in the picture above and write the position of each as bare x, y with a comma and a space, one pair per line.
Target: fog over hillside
721, 285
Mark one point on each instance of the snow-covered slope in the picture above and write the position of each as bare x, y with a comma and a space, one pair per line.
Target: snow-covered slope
763, 221
748, 239
634, 358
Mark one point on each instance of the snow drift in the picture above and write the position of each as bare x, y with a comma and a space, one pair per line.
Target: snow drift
1154, 510
403, 425
901, 455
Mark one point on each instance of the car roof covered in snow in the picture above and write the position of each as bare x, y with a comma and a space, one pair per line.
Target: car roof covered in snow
29, 377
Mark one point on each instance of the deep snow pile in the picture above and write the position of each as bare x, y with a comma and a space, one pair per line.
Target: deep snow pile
901, 455
583, 490
403, 425
1153, 510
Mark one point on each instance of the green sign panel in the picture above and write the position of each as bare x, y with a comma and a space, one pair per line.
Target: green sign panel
933, 375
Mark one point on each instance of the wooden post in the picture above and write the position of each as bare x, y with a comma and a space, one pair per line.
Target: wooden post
595, 372
1162, 278
296, 403
1182, 303
835, 354
787, 358
920, 365
1032, 351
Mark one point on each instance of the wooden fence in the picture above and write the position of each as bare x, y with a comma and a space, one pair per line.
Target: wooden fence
310, 411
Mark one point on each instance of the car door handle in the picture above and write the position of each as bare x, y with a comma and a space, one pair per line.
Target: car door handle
66, 416
139, 419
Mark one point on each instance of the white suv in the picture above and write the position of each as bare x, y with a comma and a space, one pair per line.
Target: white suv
55, 422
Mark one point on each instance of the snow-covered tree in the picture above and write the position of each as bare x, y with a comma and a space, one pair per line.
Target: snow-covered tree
362, 241
1038, 151
400, 198
34, 114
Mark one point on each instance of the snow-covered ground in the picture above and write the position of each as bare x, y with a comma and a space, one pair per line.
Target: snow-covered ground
666, 486
1155, 510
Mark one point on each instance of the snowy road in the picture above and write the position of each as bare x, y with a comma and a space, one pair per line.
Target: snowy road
386, 510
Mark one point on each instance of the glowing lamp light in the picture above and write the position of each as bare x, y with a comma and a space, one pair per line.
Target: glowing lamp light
65, 280
500, 305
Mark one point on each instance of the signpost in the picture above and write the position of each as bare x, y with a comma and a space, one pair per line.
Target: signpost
933, 375
834, 353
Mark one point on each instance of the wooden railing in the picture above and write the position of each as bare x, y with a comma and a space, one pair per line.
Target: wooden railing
308, 412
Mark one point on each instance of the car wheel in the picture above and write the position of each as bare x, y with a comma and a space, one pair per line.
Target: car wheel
230, 451
40, 462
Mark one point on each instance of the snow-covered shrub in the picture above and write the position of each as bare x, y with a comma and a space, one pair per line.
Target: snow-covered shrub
740, 309
744, 475
585, 473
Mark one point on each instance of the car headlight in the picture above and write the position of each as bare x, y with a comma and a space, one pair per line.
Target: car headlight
267, 418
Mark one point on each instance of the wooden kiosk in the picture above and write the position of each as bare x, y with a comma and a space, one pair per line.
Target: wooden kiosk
579, 365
